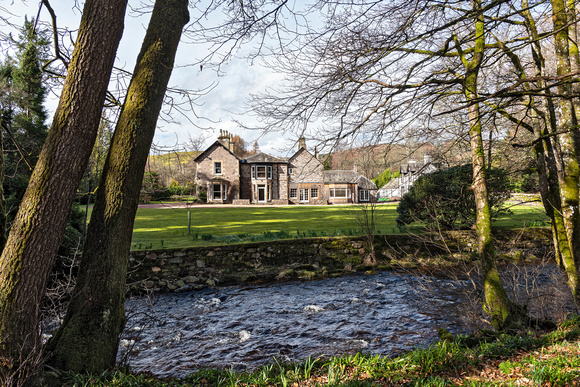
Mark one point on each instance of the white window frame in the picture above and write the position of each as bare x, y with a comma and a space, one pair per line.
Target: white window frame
304, 194
290, 171
364, 195
269, 171
253, 171
259, 173
217, 167
293, 193
333, 193
312, 193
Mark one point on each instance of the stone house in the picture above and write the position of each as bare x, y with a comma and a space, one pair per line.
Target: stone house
218, 171
265, 179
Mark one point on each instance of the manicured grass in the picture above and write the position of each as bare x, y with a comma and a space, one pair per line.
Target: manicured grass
157, 228
523, 216
167, 227
526, 359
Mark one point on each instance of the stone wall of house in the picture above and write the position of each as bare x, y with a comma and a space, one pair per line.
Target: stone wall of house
245, 181
196, 268
322, 193
307, 168
281, 181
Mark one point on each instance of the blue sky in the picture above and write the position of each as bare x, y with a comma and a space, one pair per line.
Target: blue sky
216, 109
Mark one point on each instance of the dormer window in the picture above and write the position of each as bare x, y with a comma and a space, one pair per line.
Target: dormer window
290, 171
217, 168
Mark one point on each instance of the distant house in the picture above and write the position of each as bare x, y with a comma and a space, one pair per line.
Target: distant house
390, 190
410, 172
265, 179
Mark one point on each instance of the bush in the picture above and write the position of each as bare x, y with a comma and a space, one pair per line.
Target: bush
443, 198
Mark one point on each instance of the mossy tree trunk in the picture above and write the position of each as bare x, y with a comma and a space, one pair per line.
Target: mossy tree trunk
546, 146
39, 225
496, 302
3, 214
567, 141
88, 338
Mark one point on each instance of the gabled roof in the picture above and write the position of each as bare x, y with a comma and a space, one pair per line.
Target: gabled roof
299, 152
210, 149
393, 184
365, 183
264, 158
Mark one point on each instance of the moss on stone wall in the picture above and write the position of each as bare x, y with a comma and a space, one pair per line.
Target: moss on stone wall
196, 268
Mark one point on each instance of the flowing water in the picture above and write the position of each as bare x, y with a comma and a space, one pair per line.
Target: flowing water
246, 326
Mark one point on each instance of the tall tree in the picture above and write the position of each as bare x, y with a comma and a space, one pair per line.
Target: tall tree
37, 230
88, 339
24, 112
568, 138
496, 302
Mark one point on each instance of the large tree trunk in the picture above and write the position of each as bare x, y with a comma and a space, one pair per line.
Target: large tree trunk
568, 168
88, 339
547, 153
3, 215
496, 302
38, 228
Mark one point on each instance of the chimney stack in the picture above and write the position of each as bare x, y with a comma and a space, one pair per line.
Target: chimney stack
316, 154
231, 142
224, 138
301, 143
427, 158
355, 167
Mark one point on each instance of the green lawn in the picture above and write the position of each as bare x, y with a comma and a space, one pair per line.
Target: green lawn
167, 227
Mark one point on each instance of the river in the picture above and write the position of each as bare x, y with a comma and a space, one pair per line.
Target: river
246, 326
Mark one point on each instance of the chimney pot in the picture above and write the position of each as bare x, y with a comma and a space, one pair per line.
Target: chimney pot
301, 143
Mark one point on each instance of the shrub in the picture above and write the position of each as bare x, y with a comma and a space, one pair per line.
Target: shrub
444, 198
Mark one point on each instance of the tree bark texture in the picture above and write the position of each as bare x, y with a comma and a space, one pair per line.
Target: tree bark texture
568, 170
547, 153
3, 217
38, 228
88, 339
496, 301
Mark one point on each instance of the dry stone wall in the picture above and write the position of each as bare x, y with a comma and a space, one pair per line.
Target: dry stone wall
196, 268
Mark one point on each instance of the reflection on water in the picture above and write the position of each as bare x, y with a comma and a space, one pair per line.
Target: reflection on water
243, 327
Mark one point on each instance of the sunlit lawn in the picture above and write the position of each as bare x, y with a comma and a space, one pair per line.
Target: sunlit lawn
157, 228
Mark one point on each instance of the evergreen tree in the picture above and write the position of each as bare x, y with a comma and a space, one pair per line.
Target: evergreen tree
24, 115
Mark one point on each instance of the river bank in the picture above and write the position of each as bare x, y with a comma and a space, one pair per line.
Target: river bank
527, 359
178, 270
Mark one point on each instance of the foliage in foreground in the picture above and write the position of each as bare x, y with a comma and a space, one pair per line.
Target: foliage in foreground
530, 358
443, 198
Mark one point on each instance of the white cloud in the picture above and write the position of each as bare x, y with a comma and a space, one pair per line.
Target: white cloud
218, 109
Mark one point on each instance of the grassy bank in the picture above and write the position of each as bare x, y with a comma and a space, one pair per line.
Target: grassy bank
157, 228
528, 359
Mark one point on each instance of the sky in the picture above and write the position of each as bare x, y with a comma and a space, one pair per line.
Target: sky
217, 109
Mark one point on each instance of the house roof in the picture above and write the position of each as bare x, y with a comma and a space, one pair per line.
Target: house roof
415, 166
338, 176
365, 183
393, 184
264, 158
351, 177
210, 149
299, 152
